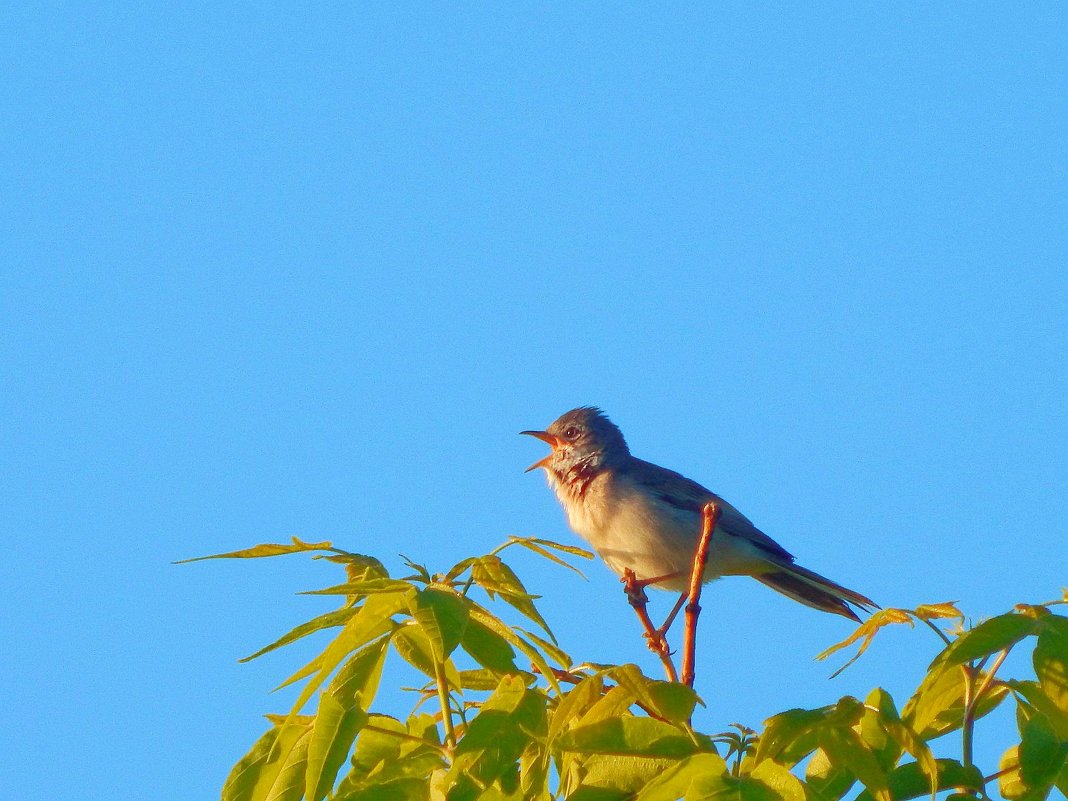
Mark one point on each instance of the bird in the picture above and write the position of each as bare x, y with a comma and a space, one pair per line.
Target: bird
644, 518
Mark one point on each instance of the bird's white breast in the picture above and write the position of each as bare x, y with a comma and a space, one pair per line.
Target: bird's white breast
630, 528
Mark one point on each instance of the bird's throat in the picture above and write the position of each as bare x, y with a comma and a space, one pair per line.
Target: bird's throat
574, 479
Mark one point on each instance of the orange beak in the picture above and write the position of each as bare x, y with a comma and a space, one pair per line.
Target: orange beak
544, 436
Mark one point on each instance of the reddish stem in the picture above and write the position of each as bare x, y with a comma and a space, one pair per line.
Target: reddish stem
710, 516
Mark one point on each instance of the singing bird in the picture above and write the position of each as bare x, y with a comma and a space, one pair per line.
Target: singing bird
647, 518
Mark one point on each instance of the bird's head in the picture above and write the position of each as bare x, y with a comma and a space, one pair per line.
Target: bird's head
583, 441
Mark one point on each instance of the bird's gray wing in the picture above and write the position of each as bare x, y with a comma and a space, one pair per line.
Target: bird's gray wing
676, 490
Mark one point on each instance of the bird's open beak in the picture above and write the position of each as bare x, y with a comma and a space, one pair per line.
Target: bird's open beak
544, 436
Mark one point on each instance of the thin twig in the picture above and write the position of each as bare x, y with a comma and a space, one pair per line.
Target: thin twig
710, 516
936, 630
639, 600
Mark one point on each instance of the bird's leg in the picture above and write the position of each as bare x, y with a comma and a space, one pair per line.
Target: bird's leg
709, 516
663, 630
637, 598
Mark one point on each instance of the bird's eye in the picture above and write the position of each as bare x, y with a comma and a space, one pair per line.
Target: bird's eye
571, 433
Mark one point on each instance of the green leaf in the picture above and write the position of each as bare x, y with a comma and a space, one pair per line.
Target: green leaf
357, 680
443, 615
256, 773
783, 730
385, 757
331, 619
667, 699
779, 780
620, 773
575, 703
378, 746
358, 567
488, 648
481, 679
937, 707
763, 784
909, 780
500, 629
1031, 769
628, 736
846, 750
333, 733
550, 649
1051, 661
413, 644
373, 620
587, 792
904, 736
988, 637
612, 704
825, 779
676, 780
495, 739
265, 549
1034, 695
401, 790
289, 784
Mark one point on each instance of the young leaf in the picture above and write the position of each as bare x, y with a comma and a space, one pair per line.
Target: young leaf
369, 587
533, 545
265, 549
938, 611
550, 649
358, 567
494, 576
331, 619
335, 728
868, 629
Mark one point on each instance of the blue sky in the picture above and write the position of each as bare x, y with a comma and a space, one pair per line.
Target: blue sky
275, 271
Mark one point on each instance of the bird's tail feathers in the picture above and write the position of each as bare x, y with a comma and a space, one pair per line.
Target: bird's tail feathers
814, 590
